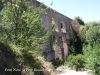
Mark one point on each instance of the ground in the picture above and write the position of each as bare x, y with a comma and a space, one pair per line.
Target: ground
66, 71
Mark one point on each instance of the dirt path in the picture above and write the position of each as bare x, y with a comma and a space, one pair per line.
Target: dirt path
72, 72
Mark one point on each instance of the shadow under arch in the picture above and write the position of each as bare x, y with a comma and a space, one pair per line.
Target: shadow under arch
63, 26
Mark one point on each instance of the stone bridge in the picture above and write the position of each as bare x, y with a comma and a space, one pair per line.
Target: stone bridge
60, 31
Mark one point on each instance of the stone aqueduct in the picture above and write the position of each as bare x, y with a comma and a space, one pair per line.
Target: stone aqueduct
61, 31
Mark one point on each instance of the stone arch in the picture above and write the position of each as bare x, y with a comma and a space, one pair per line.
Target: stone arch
54, 42
64, 37
63, 26
63, 30
54, 21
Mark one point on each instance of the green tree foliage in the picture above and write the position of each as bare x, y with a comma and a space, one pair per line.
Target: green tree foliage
90, 43
91, 32
80, 21
21, 25
75, 43
76, 62
91, 47
92, 55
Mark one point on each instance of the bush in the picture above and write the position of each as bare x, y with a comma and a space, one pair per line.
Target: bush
92, 54
57, 62
76, 62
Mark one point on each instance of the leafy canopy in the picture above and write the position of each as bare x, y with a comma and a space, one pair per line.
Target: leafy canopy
21, 25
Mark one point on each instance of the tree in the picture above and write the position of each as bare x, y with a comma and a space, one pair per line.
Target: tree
92, 55
91, 32
22, 25
80, 21
91, 47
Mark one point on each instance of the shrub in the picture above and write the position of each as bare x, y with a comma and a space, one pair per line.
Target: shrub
76, 62
92, 54
57, 62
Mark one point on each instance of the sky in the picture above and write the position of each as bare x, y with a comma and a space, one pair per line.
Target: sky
87, 10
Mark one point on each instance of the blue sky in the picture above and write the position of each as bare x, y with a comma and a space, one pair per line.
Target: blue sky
88, 10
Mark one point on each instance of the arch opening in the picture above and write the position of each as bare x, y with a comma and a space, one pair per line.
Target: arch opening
53, 23
61, 25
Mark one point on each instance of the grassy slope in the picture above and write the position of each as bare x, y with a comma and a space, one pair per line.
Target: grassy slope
25, 60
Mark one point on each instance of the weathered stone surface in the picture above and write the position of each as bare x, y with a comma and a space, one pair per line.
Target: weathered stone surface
47, 52
60, 33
